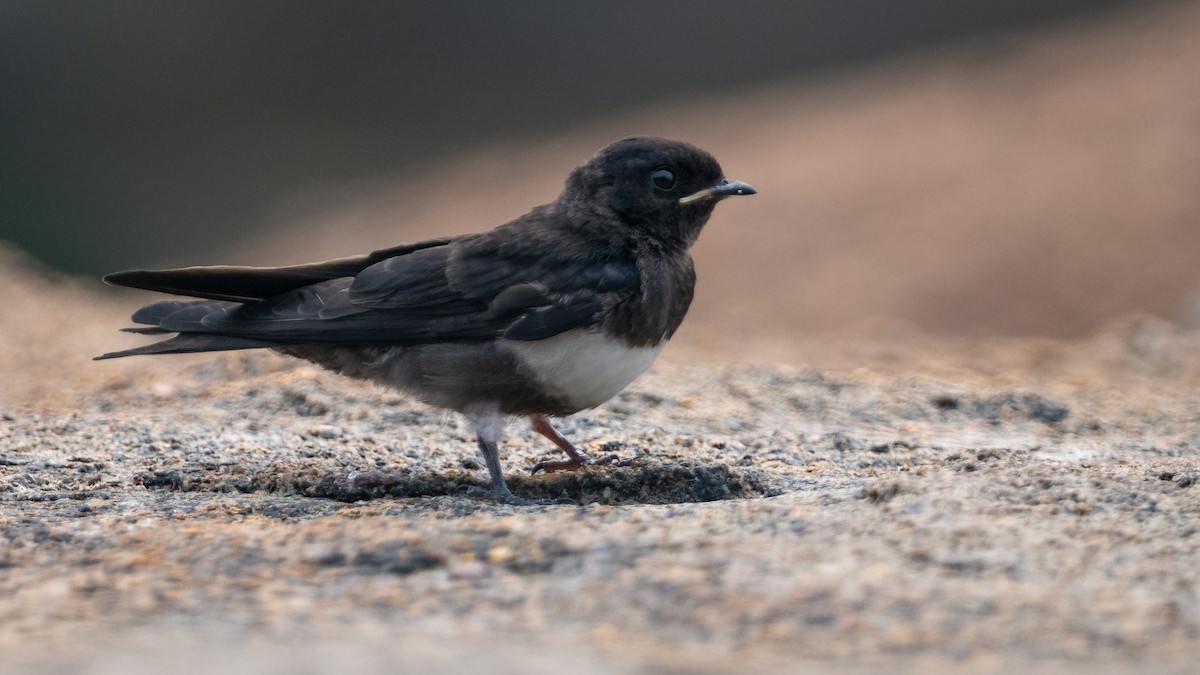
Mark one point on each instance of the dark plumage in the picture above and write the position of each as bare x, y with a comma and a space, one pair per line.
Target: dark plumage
548, 314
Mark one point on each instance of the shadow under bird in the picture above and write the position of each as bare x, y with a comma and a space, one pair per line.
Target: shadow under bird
544, 316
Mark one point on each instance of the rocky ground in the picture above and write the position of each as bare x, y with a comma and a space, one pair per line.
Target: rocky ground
976, 506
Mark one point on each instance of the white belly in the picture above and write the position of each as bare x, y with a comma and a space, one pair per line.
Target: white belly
583, 367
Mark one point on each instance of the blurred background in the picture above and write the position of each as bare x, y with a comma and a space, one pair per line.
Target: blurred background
1004, 167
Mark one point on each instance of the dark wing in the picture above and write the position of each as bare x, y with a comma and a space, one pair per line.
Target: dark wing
467, 289
537, 288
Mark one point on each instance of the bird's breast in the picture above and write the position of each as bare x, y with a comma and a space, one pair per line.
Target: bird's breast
583, 367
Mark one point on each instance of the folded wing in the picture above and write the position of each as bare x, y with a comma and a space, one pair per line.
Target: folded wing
444, 290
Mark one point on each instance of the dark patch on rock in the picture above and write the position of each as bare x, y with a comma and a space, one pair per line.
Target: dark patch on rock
341, 488
843, 442
946, 402
400, 558
172, 479
1006, 406
646, 483
881, 491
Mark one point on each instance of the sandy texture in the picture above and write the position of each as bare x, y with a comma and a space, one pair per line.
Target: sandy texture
193, 515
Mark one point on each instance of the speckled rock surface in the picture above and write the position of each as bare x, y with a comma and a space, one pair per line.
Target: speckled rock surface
979, 507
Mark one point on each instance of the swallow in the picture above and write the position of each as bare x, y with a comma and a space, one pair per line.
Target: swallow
544, 316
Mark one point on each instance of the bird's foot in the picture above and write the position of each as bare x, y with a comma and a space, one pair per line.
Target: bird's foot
577, 462
576, 459
504, 496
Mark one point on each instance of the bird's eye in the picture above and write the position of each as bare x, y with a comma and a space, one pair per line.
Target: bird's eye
663, 179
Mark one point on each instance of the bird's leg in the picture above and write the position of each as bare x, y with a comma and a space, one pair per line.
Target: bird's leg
578, 458
488, 425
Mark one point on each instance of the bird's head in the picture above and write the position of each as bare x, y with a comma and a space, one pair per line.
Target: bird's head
663, 188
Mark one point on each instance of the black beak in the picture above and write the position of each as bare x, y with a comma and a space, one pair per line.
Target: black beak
726, 188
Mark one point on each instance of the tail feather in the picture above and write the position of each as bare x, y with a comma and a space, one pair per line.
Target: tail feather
220, 320
247, 284
168, 316
187, 343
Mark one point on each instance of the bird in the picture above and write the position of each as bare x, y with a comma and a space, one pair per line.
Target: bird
544, 316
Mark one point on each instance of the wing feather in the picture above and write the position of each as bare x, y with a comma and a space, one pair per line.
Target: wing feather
465, 289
